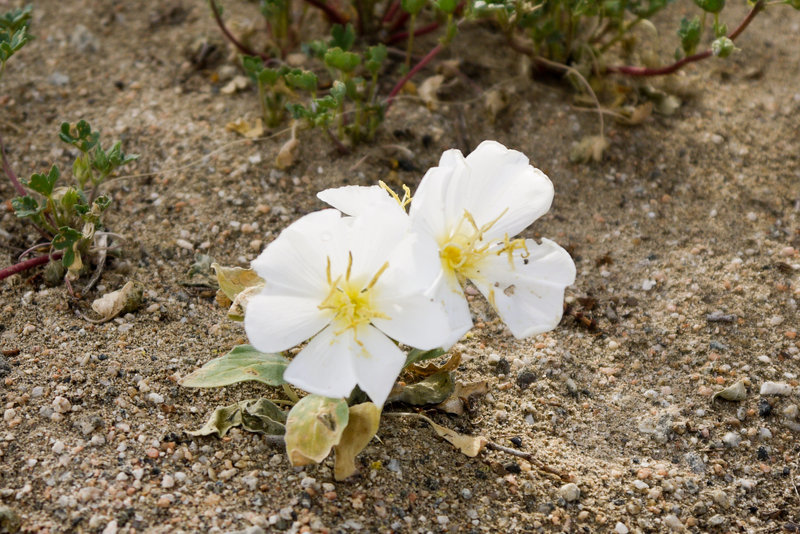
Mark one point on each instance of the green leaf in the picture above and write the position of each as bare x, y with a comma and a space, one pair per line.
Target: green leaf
15, 19
689, 33
241, 364
362, 425
446, 6
339, 59
416, 355
710, 6
305, 80
71, 200
256, 415
313, 427
412, 7
80, 135
9, 45
338, 91
375, 57
65, 240
433, 390
343, 36
26, 206
44, 183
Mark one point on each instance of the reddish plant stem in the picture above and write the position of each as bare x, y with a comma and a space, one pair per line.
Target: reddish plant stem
29, 264
238, 44
416, 68
399, 21
9, 171
669, 69
330, 12
401, 36
393, 7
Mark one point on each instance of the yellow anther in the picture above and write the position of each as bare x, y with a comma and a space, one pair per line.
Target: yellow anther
349, 266
405, 201
510, 245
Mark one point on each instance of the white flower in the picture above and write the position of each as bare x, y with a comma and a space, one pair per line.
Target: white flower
474, 207
350, 284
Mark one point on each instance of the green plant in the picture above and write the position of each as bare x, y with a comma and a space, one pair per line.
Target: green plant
13, 33
339, 93
69, 217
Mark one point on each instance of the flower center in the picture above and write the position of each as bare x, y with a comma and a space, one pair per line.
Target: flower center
464, 249
351, 299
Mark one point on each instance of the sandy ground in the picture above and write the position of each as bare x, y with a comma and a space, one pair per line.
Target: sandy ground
686, 240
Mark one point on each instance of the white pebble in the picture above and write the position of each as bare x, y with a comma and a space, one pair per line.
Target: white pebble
732, 439
184, 244
620, 528
167, 481
775, 388
155, 398
61, 405
569, 492
673, 523
58, 447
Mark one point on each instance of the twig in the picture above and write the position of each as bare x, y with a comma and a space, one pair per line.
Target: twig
29, 264
238, 44
9, 171
422, 62
566, 477
669, 69
390, 11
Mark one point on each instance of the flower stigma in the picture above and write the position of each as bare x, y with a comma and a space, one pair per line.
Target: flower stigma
351, 300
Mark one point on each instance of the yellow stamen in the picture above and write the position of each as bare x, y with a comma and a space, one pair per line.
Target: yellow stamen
350, 300
405, 201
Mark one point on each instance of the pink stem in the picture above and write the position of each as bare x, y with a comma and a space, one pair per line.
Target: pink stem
238, 44
416, 68
330, 12
669, 69
9, 171
29, 264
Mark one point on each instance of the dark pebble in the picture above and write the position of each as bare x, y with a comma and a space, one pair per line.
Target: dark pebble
517, 441
764, 407
525, 379
762, 453
513, 467
502, 367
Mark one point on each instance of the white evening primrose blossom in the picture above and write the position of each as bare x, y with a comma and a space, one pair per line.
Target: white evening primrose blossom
474, 207
351, 285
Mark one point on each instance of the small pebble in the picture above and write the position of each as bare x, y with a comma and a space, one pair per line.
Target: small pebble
168, 481
569, 492
673, 523
155, 398
61, 405
775, 388
732, 439
620, 528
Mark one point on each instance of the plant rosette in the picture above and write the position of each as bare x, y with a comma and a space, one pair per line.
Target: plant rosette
473, 208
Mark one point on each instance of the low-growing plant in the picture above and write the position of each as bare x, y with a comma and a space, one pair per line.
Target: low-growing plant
371, 291
69, 217
13, 33
579, 38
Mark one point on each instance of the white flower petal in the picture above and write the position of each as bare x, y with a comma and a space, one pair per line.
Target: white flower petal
358, 200
377, 364
451, 295
278, 322
502, 179
438, 204
295, 262
414, 267
372, 239
529, 297
325, 365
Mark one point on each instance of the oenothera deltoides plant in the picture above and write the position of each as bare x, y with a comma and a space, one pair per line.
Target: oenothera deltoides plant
353, 285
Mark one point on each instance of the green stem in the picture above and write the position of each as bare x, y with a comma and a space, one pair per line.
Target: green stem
410, 46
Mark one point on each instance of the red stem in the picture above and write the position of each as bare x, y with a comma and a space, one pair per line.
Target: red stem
416, 68
669, 69
402, 19
29, 264
393, 7
9, 171
238, 44
433, 26
332, 14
